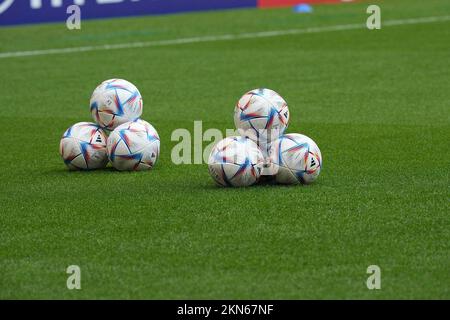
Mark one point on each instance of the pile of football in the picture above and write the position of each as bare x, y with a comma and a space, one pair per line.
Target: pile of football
261, 117
119, 135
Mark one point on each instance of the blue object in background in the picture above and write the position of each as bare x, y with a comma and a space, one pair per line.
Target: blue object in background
38, 11
303, 8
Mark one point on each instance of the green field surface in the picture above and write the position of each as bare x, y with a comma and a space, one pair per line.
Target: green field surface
376, 102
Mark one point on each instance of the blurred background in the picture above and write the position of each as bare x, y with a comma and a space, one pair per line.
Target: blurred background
35, 11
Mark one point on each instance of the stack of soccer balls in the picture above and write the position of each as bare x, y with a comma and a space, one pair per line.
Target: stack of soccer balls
261, 117
133, 143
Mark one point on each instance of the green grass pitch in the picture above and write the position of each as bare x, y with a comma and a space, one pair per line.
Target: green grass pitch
376, 102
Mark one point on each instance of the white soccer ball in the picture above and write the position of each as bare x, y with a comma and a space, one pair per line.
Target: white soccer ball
261, 115
295, 159
236, 162
83, 147
133, 146
115, 102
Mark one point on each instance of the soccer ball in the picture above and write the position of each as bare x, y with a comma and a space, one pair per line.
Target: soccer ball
261, 115
115, 102
236, 162
133, 146
295, 159
83, 147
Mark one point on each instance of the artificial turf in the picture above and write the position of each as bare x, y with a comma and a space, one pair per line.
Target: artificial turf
376, 102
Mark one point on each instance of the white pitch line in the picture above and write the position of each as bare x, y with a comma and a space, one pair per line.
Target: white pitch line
213, 38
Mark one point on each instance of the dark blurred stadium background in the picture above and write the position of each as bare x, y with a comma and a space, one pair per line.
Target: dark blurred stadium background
14, 12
